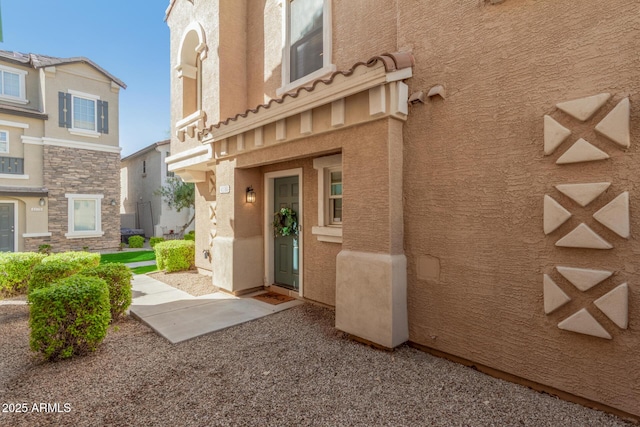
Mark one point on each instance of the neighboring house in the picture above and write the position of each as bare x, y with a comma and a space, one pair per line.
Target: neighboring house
59, 154
141, 176
468, 193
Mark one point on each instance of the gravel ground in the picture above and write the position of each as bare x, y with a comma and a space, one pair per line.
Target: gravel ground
189, 281
288, 369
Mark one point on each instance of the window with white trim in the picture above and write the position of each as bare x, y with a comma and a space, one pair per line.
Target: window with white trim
334, 176
85, 218
12, 84
330, 187
83, 112
307, 42
4, 141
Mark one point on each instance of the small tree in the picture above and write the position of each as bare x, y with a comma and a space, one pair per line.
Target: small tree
179, 195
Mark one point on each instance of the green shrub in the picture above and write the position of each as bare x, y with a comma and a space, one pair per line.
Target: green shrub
70, 317
118, 279
154, 240
136, 241
82, 259
175, 255
46, 273
15, 271
190, 235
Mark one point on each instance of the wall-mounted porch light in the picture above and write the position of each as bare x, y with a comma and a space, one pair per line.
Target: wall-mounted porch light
42, 201
113, 202
251, 195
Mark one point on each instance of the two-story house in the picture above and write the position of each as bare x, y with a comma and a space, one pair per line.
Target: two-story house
59, 154
463, 174
142, 174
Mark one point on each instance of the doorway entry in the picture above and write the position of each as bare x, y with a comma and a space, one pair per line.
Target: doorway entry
7, 227
286, 255
283, 254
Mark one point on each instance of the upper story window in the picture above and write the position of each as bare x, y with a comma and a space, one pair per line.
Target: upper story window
4, 141
307, 51
12, 84
83, 113
169, 173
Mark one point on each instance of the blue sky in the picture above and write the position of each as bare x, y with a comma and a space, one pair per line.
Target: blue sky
128, 38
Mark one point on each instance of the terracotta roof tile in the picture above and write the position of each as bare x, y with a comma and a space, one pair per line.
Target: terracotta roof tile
392, 62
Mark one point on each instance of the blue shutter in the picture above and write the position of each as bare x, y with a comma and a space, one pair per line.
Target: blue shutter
103, 116
68, 104
62, 122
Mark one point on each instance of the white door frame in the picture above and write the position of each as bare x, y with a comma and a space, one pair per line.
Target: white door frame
15, 223
269, 210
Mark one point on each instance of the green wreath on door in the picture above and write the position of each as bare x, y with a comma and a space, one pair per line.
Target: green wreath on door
285, 223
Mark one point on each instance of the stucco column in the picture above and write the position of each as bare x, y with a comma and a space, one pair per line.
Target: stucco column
237, 247
371, 270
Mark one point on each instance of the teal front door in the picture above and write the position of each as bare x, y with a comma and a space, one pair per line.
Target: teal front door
7, 228
286, 255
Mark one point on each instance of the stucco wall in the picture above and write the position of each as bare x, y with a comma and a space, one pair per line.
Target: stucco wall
82, 78
475, 177
475, 174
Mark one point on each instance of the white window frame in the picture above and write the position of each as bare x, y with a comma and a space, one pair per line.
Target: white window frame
79, 131
22, 98
7, 133
72, 234
325, 231
330, 197
327, 66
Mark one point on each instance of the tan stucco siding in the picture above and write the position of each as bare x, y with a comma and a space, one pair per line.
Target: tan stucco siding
475, 177
85, 79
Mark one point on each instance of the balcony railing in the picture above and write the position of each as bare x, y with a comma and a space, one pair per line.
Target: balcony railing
11, 165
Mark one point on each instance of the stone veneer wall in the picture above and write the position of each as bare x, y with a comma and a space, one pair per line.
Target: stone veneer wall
71, 170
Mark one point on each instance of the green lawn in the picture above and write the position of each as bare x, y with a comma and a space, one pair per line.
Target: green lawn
144, 269
127, 257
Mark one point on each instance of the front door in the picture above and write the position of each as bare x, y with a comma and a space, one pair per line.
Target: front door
286, 268
7, 232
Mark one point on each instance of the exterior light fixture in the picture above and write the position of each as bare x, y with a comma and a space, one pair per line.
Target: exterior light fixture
113, 202
251, 195
42, 201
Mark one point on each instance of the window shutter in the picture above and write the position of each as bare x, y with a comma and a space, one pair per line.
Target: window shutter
103, 117
68, 104
62, 122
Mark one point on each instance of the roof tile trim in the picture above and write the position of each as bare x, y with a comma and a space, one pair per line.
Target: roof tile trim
391, 61
41, 61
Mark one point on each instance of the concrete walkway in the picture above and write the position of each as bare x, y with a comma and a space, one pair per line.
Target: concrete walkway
179, 316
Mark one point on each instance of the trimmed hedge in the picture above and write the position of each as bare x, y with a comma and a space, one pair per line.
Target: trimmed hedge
81, 258
136, 241
16, 269
155, 240
175, 255
70, 317
190, 235
46, 273
118, 279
